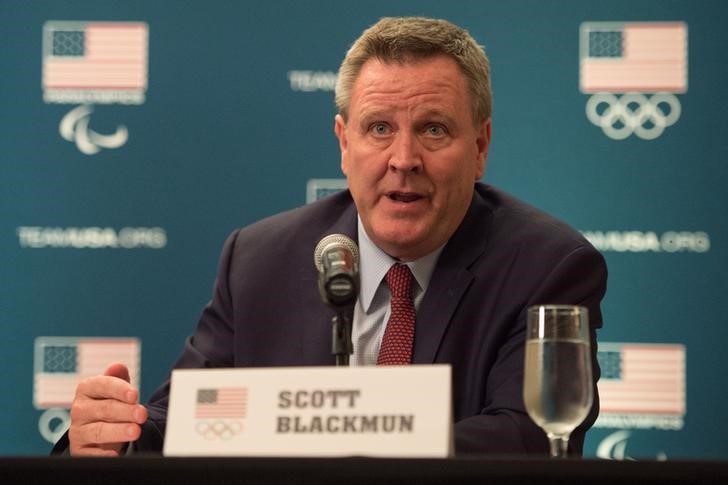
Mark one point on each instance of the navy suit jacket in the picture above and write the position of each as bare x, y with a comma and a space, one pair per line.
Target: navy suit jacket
504, 257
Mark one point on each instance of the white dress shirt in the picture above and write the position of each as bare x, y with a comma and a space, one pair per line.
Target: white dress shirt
372, 308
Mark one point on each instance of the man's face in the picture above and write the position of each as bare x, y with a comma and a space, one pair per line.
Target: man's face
411, 152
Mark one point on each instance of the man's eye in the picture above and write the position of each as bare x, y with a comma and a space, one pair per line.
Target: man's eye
379, 128
435, 130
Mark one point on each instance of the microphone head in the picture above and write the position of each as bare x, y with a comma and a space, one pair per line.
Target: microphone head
337, 260
331, 241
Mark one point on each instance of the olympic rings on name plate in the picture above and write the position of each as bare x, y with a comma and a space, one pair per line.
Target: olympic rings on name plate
213, 430
619, 117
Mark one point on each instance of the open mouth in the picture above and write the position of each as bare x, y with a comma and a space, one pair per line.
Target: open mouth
404, 196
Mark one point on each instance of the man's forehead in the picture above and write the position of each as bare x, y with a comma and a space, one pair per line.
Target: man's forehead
430, 111
435, 79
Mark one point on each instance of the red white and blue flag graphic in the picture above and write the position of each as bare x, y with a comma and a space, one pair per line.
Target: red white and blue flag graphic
62, 362
224, 402
646, 57
642, 379
95, 56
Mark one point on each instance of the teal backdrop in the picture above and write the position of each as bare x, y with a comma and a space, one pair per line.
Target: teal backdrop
228, 114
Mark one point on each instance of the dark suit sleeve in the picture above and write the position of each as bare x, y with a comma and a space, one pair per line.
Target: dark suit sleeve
503, 426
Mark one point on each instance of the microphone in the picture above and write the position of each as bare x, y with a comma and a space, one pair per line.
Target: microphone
337, 260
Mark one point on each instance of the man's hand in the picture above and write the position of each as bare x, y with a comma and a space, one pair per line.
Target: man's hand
105, 414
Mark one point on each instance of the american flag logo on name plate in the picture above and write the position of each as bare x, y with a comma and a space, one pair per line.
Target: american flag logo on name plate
225, 402
62, 362
634, 59
642, 385
95, 62
219, 412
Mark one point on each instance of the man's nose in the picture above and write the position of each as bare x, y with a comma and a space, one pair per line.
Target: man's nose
406, 153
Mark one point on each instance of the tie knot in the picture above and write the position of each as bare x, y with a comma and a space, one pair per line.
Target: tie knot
399, 279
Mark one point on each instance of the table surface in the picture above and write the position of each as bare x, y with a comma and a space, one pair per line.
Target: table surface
140, 470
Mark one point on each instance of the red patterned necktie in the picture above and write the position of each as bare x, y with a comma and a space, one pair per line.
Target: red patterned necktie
396, 348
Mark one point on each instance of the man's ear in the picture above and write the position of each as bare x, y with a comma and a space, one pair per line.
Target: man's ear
482, 142
340, 130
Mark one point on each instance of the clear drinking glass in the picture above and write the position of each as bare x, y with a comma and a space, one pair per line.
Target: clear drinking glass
557, 387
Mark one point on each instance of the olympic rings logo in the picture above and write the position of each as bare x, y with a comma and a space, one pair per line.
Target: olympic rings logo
213, 430
646, 117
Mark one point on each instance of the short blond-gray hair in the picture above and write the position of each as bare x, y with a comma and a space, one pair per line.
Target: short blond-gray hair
408, 39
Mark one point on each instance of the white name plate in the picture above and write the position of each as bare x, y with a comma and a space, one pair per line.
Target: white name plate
388, 411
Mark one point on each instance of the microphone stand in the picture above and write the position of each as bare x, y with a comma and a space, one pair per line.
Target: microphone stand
341, 345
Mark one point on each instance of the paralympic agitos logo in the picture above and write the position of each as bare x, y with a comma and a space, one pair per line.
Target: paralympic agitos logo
87, 63
633, 70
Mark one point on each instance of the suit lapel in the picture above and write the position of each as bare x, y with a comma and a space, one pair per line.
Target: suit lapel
450, 280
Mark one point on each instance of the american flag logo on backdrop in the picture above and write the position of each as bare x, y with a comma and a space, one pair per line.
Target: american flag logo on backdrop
95, 56
317, 189
224, 402
642, 57
642, 379
62, 362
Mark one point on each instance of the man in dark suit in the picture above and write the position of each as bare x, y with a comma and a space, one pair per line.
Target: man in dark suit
414, 129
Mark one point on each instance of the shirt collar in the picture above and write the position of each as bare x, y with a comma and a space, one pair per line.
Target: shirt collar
374, 264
